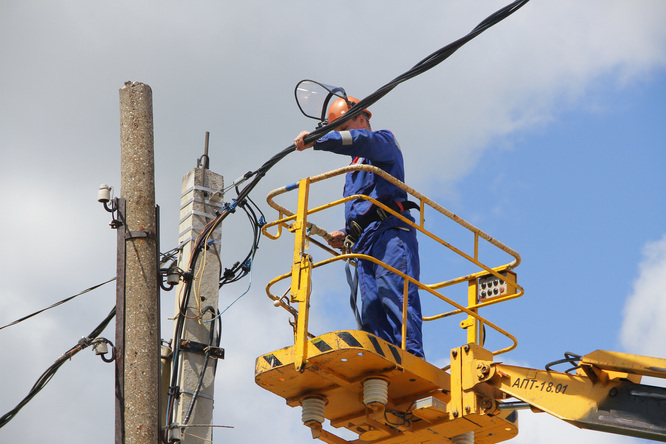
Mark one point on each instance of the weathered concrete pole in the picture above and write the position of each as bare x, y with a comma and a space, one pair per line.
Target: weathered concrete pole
141, 308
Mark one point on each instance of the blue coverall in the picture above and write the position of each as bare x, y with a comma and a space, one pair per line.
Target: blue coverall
391, 240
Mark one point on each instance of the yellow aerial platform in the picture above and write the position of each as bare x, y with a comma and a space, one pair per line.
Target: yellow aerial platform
375, 389
383, 394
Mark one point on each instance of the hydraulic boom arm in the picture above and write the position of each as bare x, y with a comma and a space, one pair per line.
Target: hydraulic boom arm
604, 394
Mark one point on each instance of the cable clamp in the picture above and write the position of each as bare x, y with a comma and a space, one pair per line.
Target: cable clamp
188, 276
199, 395
85, 342
202, 349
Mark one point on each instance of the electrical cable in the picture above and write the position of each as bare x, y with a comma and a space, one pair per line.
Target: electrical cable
230, 275
94, 287
188, 288
199, 278
406, 416
170, 255
51, 371
235, 300
204, 367
424, 65
180, 321
569, 358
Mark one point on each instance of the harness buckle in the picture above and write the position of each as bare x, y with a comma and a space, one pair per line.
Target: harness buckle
347, 245
355, 230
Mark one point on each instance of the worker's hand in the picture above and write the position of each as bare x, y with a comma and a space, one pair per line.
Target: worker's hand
337, 238
300, 143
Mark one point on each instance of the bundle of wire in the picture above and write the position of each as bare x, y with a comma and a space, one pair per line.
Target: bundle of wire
424, 65
51, 371
233, 274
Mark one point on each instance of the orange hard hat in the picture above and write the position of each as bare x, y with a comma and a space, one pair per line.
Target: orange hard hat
340, 106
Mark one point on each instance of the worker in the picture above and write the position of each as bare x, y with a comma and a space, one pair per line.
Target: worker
383, 237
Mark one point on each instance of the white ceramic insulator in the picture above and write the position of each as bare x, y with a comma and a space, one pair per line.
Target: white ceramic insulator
173, 278
101, 348
375, 390
463, 438
104, 193
313, 410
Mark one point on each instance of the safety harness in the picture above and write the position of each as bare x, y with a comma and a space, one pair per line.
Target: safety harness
354, 230
356, 227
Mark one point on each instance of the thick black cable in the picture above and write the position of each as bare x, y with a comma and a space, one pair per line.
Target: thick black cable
232, 275
427, 63
211, 343
51, 371
57, 304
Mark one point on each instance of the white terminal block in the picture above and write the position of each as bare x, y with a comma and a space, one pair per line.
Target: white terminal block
430, 408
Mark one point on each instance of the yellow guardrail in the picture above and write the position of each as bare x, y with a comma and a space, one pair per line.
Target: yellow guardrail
303, 265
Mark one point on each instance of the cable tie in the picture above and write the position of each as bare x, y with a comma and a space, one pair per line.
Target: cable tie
228, 274
247, 265
174, 391
231, 207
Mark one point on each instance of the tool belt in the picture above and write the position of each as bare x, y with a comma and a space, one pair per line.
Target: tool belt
356, 227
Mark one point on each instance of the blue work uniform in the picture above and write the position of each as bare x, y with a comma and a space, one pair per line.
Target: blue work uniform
390, 240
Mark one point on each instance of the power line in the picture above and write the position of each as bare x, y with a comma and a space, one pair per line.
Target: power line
58, 303
44, 379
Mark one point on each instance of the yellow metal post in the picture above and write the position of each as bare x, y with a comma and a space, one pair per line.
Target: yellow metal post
469, 365
405, 304
472, 325
301, 270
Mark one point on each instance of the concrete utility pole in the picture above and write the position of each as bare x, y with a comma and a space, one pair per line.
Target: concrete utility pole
139, 317
200, 199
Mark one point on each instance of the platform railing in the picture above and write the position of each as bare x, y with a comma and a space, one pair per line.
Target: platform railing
302, 266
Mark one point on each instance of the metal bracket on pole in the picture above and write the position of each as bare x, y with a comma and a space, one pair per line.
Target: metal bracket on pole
120, 328
140, 234
202, 349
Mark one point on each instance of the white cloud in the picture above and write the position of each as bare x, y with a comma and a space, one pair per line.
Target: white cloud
643, 328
